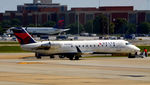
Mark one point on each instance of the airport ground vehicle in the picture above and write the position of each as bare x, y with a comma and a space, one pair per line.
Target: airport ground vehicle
72, 49
62, 37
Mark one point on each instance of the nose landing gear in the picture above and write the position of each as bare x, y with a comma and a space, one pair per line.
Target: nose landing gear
136, 55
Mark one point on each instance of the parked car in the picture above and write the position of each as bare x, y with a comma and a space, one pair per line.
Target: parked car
129, 36
84, 34
93, 35
62, 37
44, 37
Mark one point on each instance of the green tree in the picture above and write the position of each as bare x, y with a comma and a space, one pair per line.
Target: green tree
131, 28
100, 24
31, 25
49, 24
144, 28
111, 28
15, 23
1, 30
89, 26
120, 26
6, 24
74, 28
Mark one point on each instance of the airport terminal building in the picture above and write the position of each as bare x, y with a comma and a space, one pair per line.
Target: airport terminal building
42, 11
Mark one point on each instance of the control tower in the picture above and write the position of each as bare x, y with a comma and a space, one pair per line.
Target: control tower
42, 1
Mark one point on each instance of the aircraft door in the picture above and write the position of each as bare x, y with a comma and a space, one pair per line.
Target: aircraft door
118, 47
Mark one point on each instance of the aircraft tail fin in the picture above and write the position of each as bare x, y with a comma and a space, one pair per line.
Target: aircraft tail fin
60, 24
22, 35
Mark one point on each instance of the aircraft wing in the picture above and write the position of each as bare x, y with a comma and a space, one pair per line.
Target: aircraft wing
62, 30
66, 30
79, 52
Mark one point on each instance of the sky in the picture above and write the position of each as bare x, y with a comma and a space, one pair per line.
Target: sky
138, 4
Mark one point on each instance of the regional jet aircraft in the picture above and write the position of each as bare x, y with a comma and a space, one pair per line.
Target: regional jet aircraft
58, 29
44, 30
72, 49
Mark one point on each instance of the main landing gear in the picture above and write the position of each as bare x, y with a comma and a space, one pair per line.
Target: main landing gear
136, 55
74, 57
38, 56
70, 56
52, 56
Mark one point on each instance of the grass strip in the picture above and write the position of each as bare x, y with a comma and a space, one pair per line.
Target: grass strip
9, 43
11, 49
142, 48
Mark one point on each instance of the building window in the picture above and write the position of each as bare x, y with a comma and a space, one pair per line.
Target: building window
132, 18
148, 17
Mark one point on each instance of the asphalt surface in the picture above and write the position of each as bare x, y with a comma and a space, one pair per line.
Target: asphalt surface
27, 70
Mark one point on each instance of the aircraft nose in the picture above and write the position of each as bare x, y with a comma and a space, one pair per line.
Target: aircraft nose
136, 49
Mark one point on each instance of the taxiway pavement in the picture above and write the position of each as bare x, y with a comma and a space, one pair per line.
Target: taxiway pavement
87, 71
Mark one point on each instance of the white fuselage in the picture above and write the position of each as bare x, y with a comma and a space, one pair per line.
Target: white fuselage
45, 30
42, 30
94, 46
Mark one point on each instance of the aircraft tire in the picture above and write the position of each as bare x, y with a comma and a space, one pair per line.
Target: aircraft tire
131, 56
71, 57
61, 56
38, 56
52, 56
77, 58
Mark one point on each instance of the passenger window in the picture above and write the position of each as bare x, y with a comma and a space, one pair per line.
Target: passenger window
86, 45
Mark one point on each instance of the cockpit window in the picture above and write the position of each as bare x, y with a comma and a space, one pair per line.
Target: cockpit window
128, 43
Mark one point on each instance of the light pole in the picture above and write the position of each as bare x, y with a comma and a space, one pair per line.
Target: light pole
36, 19
108, 19
78, 23
99, 3
93, 25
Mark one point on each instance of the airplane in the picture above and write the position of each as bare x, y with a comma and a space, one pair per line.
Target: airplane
45, 30
57, 29
72, 49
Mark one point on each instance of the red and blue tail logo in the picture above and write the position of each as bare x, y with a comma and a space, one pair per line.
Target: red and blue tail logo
60, 24
22, 35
